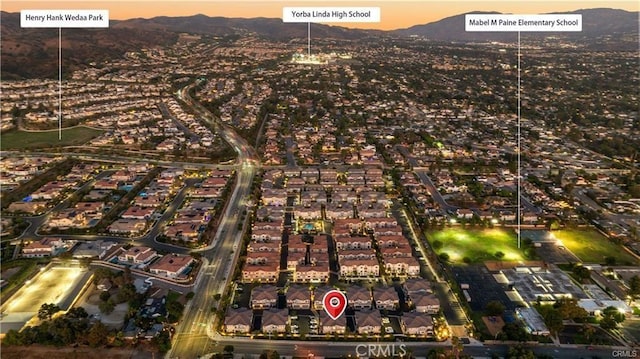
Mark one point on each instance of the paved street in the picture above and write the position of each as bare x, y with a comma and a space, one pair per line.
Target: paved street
191, 338
337, 349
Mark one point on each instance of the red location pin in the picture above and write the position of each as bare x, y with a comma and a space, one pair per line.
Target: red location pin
335, 302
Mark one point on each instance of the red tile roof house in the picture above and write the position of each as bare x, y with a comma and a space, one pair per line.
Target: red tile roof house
418, 324
386, 298
264, 296
368, 322
359, 297
137, 255
42, 248
238, 320
171, 265
298, 297
332, 326
275, 320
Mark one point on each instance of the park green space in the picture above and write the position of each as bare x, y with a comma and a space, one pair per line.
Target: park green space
21, 140
592, 247
478, 245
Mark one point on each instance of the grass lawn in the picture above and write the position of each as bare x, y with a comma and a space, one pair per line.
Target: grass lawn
592, 247
478, 245
19, 140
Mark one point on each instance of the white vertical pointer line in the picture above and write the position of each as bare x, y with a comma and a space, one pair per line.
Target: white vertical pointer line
519, 179
309, 39
59, 84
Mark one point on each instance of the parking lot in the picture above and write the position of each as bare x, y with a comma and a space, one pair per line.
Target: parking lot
555, 254
482, 286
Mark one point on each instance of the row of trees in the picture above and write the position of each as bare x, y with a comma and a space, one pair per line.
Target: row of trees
74, 327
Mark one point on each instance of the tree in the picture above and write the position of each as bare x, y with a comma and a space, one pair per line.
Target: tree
569, 309
174, 309
47, 310
77, 313
514, 331
611, 317
456, 346
436, 245
634, 287
520, 352
127, 292
101, 273
588, 331
107, 307
104, 296
13, 337
494, 308
581, 272
608, 323
98, 335
62, 331
126, 274
552, 318
610, 261
269, 354
436, 354
162, 341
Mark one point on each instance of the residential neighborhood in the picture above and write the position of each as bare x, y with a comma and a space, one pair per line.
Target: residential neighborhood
202, 187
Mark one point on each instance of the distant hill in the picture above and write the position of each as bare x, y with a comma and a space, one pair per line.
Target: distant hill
270, 28
597, 23
30, 53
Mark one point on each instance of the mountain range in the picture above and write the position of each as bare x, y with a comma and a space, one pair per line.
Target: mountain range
596, 23
31, 53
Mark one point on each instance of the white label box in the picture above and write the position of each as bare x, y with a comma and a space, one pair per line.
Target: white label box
524, 23
331, 14
64, 18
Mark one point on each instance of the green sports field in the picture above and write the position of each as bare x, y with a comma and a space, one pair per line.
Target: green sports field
22, 140
476, 245
592, 247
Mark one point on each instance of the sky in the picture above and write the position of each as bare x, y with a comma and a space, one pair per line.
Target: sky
394, 14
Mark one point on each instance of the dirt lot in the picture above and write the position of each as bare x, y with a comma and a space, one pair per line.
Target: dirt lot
44, 352
494, 324
90, 301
